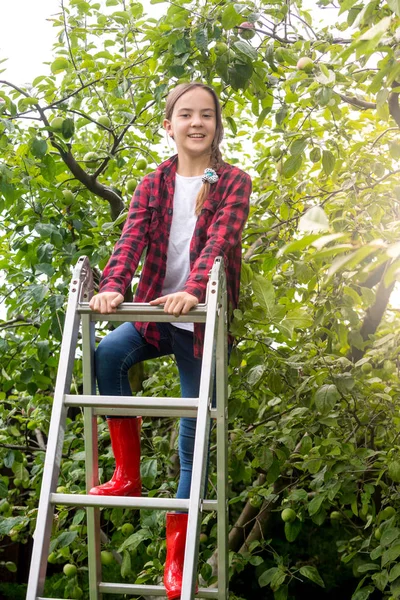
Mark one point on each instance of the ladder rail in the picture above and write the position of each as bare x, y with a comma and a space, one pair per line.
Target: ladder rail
222, 446
55, 440
200, 453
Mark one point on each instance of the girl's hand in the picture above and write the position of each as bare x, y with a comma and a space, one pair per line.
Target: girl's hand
106, 302
178, 303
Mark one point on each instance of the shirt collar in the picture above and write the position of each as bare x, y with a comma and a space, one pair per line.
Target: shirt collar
168, 167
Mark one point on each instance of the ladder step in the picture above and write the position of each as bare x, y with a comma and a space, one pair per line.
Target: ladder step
127, 502
135, 311
156, 407
149, 590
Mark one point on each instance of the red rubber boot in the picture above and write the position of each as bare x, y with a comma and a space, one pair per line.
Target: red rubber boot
125, 442
176, 540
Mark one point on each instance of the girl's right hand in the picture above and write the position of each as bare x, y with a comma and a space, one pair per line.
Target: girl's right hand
106, 302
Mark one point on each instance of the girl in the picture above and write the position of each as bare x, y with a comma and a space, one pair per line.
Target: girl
186, 213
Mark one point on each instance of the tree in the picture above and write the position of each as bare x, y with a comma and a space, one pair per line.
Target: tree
314, 376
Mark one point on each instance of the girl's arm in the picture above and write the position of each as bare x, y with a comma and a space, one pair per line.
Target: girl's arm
223, 233
124, 260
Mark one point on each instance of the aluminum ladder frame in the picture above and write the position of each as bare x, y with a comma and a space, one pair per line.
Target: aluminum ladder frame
214, 314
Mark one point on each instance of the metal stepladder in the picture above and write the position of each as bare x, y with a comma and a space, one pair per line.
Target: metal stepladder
214, 314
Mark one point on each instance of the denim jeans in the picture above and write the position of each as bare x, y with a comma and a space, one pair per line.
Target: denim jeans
124, 347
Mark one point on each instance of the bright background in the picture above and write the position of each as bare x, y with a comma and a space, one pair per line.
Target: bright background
27, 36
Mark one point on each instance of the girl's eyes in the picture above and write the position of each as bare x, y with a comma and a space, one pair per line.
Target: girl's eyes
187, 115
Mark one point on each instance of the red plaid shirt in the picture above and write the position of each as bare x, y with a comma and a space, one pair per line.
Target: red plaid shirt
218, 232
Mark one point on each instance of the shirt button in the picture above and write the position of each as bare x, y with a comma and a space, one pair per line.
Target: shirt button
170, 211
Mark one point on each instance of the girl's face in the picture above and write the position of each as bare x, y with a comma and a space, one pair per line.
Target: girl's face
193, 122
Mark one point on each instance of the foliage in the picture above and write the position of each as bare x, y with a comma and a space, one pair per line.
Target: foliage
314, 380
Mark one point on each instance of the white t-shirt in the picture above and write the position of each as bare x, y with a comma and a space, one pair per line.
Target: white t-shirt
182, 228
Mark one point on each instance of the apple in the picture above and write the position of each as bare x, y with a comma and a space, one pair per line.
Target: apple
107, 557
57, 123
104, 121
91, 159
366, 368
305, 64
276, 151
127, 529
246, 30
141, 164
68, 197
220, 48
203, 538
288, 515
69, 570
335, 515
131, 185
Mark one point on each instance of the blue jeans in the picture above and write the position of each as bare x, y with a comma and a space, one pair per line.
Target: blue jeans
124, 347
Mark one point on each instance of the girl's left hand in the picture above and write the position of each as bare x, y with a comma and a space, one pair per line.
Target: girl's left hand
177, 303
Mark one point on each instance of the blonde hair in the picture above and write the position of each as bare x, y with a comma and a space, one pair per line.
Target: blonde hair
216, 160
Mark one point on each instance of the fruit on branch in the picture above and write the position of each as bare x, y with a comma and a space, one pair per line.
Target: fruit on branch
246, 30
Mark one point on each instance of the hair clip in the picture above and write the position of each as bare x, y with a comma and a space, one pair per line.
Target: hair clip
209, 176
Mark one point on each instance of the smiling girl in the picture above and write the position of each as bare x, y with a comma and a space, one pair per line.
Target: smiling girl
187, 212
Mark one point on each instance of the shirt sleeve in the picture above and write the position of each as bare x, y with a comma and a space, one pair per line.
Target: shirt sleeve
127, 252
223, 233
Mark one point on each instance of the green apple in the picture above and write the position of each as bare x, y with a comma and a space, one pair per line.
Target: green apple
305, 64
91, 159
57, 123
288, 515
276, 151
127, 529
131, 185
246, 30
104, 121
69, 570
68, 197
141, 164
107, 557
220, 48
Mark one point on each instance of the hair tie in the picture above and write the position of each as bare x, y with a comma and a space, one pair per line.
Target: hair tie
209, 176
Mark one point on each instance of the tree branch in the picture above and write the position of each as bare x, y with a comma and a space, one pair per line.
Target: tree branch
356, 102
393, 103
373, 316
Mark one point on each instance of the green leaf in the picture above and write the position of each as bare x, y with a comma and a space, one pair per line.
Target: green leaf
381, 579
315, 504
377, 31
312, 574
246, 49
60, 64
230, 17
126, 564
394, 572
363, 594
281, 593
315, 219
65, 539
38, 147
395, 6
9, 523
133, 541
328, 161
389, 535
255, 374
292, 165
292, 530
390, 555
326, 398
298, 146
264, 292
68, 128
148, 471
